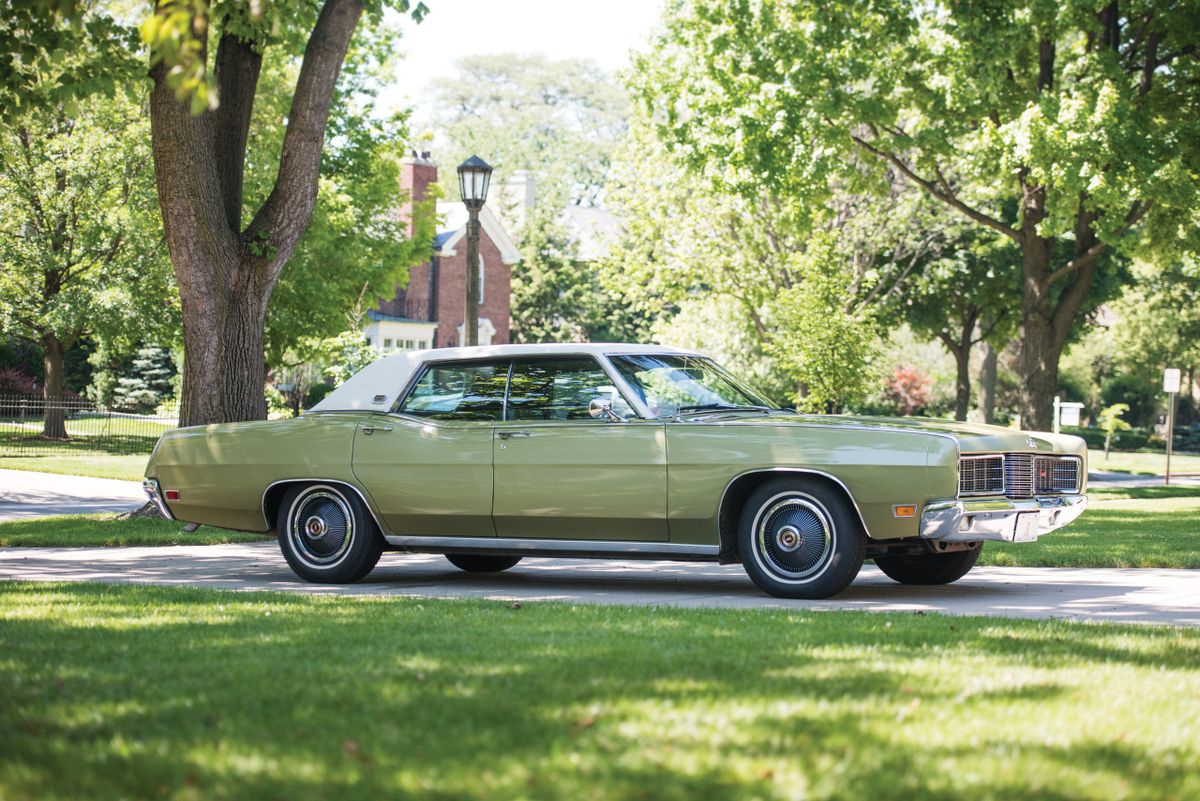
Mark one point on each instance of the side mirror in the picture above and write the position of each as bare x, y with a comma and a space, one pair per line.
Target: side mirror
600, 408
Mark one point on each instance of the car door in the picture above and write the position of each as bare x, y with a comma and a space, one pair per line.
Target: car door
428, 467
560, 473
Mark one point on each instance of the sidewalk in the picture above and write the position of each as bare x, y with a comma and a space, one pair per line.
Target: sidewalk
26, 494
1098, 480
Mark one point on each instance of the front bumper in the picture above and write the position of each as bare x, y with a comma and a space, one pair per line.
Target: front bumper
151, 488
1003, 519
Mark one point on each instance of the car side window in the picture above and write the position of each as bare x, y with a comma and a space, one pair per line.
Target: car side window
462, 391
560, 389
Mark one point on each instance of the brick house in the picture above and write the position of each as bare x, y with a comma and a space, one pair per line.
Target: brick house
430, 310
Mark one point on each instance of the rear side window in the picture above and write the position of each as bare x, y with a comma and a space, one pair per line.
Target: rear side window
459, 391
560, 389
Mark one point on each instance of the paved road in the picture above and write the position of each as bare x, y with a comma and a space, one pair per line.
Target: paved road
1096, 480
25, 493
1128, 596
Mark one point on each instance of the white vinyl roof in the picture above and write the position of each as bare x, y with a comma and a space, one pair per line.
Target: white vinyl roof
377, 386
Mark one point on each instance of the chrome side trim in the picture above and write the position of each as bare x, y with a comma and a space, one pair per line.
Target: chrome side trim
262, 505
151, 488
587, 549
802, 470
999, 519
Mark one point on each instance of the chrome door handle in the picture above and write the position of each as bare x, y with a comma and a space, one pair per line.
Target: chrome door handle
511, 434
368, 430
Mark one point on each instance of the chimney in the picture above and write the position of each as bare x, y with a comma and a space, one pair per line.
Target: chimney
519, 197
416, 174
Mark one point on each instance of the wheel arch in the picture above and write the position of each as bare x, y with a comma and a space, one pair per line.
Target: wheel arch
273, 497
739, 489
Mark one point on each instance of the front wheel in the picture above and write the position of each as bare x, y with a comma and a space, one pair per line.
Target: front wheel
327, 535
929, 568
799, 538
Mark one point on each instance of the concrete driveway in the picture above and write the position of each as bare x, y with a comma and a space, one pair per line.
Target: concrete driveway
24, 493
1117, 596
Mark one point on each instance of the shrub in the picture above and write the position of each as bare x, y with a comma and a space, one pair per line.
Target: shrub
15, 382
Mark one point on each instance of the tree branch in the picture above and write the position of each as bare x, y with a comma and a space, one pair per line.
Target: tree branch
287, 211
933, 189
237, 69
1085, 259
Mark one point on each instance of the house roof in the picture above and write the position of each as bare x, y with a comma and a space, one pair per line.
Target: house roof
454, 227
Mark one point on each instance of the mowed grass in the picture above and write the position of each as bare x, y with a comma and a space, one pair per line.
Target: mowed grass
1122, 527
1151, 464
106, 530
139, 692
128, 467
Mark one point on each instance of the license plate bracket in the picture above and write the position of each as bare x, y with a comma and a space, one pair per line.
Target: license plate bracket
1025, 527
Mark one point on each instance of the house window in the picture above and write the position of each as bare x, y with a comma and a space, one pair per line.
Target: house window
408, 344
387, 344
368, 342
422, 344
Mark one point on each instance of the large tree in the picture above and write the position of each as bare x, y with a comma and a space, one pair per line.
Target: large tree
357, 246
80, 239
1081, 117
228, 258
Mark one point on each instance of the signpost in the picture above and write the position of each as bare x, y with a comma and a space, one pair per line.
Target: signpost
1066, 413
1171, 387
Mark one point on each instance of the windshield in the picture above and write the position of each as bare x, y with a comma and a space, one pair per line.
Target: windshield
671, 385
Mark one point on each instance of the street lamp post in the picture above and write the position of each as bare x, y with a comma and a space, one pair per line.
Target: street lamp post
474, 175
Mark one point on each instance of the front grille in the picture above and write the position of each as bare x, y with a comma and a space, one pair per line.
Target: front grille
1017, 475
981, 475
1056, 475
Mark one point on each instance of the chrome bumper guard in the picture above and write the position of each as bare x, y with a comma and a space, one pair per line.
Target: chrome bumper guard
1000, 519
150, 486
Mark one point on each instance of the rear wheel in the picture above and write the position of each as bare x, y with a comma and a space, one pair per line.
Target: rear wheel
326, 534
929, 568
480, 563
799, 538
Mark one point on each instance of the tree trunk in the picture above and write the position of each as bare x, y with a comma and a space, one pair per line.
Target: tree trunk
987, 384
53, 414
224, 370
962, 396
225, 275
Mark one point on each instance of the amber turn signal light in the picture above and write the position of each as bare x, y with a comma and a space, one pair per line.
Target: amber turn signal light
903, 510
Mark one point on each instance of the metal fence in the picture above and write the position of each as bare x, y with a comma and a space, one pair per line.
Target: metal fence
31, 425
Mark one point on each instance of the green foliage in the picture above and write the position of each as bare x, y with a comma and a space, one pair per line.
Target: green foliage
1137, 392
148, 382
343, 355
59, 54
1111, 421
80, 233
1158, 319
824, 341
557, 297
557, 120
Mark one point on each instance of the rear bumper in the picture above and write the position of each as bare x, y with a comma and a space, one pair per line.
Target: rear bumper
1002, 519
151, 488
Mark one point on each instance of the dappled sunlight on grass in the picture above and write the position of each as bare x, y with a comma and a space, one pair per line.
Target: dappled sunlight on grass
146, 691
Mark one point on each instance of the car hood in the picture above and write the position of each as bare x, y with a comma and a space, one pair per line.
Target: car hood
971, 437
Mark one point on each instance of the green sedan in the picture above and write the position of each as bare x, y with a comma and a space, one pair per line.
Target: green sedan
490, 454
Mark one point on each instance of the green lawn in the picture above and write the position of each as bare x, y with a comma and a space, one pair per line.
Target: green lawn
139, 692
103, 530
130, 467
1122, 527
1151, 464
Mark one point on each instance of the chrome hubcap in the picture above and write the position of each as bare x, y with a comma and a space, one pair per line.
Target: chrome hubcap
794, 537
316, 527
320, 527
